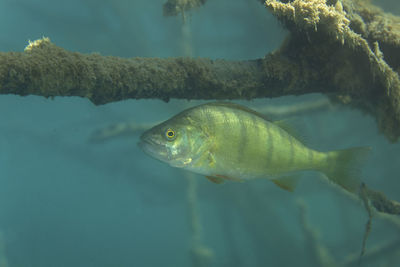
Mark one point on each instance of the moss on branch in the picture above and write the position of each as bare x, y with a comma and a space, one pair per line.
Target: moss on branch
354, 47
381, 203
348, 51
48, 70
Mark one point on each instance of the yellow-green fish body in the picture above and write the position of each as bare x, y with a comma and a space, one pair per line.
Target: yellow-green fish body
229, 141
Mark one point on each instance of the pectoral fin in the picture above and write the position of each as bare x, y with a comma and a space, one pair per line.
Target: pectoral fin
217, 180
286, 182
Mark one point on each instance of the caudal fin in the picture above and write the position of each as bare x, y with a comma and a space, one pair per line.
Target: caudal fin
343, 167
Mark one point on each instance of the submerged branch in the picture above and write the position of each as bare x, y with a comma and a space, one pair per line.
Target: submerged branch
381, 203
382, 251
201, 254
350, 52
48, 70
320, 254
175, 7
354, 48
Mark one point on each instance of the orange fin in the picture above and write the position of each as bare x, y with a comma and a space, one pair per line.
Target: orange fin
217, 180
286, 182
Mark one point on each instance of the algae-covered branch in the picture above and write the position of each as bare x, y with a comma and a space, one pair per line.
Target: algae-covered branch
352, 47
48, 70
347, 49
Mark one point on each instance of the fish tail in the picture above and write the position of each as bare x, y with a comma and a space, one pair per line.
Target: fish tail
343, 167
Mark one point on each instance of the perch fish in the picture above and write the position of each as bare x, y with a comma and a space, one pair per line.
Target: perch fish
226, 141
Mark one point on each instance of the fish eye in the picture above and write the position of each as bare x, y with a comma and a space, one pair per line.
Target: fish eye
170, 134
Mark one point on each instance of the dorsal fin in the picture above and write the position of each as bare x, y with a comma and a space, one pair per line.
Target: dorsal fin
240, 107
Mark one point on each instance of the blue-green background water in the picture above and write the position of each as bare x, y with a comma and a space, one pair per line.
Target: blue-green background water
67, 202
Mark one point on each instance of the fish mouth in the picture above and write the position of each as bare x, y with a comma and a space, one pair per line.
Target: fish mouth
153, 148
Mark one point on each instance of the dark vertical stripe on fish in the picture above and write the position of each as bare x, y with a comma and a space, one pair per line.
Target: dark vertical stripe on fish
291, 160
311, 157
254, 126
330, 161
243, 138
225, 116
270, 143
209, 115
